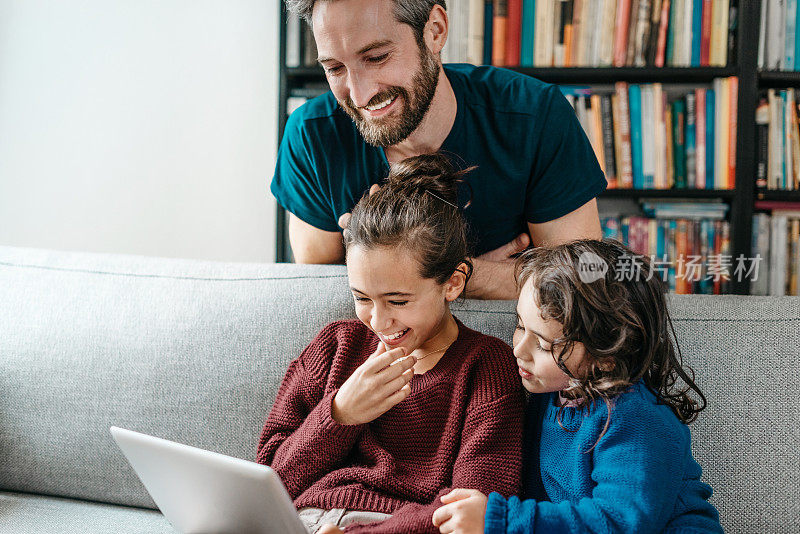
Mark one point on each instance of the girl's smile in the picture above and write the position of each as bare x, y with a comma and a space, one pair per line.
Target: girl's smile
403, 308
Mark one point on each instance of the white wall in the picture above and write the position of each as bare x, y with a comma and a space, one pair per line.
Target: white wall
139, 126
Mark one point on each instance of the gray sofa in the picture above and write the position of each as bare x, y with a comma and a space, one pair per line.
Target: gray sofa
194, 351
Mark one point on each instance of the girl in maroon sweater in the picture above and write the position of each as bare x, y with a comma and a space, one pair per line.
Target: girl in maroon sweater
379, 417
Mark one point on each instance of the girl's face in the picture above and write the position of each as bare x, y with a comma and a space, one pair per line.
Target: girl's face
395, 301
533, 347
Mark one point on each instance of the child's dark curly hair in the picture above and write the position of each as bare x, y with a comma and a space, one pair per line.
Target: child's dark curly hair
621, 319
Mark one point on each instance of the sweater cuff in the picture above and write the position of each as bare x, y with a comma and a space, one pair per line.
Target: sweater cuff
496, 512
328, 425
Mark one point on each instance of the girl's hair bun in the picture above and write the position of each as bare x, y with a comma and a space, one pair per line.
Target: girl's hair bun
432, 173
416, 208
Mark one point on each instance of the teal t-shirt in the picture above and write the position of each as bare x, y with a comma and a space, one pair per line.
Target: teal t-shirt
534, 162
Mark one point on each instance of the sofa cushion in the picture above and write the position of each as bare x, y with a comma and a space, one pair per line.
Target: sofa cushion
23, 513
194, 351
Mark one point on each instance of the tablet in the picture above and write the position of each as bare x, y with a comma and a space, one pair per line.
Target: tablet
206, 492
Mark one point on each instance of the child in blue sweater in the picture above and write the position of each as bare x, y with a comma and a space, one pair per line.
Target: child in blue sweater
607, 442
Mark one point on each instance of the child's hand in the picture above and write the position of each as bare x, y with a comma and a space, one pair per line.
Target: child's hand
375, 387
329, 528
463, 512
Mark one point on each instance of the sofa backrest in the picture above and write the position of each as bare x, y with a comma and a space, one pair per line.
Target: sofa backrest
194, 352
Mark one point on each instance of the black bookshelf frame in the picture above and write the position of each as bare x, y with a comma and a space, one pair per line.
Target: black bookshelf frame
751, 80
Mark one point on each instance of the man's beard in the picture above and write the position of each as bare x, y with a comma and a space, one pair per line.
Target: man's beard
389, 131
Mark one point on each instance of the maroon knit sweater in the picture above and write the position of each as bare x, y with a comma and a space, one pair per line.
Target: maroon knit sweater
461, 426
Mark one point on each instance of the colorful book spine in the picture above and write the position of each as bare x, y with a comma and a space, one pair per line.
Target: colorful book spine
733, 99
705, 37
609, 151
499, 26
691, 141
791, 25
621, 32
622, 128
527, 33
711, 108
663, 29
513, 32
719, 33
635, 103
679, 142
797, 42
488, 31
700, 167
697, 31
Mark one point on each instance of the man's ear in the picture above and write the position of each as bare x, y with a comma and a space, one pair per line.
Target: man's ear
455, 285
436, 29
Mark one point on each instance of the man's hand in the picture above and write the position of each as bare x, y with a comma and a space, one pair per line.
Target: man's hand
344, 220
509, 251
329, 528
493, 274
375, 387
463, 512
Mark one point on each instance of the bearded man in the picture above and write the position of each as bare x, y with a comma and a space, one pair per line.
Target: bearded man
536, 178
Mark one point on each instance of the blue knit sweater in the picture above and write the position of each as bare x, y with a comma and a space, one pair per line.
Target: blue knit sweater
641, 477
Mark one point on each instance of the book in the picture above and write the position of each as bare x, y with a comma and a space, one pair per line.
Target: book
762, 144
622, 135
719, 33
700, 161
661, 47
791, 22
721, 140
499, 26
697, 31
488, 32
691, 142
475, 32
635, 103
513, 32
568, 18
679, 142
705, 37
732, 123
621, 32
543, 34
608, 140
527, 33
710, 138
648, 137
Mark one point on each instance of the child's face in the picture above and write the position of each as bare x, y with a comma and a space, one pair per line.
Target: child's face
533, 346
400, 306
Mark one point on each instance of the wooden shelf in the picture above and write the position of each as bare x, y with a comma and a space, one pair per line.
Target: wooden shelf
778, 79
779, 196
700, 194
589, 75
578, 75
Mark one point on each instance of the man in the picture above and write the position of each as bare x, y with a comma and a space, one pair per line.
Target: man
536, 180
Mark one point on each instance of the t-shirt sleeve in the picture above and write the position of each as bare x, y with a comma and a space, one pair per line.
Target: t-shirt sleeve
566, 174
297, 184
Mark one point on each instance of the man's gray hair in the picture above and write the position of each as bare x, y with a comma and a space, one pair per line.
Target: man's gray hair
415, 13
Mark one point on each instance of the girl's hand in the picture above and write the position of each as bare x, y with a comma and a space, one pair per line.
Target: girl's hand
463, 512
329, 528
375, 387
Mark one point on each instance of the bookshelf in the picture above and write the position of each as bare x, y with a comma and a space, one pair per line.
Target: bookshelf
752, 81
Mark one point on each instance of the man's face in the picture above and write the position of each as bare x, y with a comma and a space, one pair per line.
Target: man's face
377, 71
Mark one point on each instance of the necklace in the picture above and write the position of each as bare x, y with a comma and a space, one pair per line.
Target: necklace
418, 358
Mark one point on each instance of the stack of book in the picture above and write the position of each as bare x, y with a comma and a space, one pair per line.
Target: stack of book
592, 33
688, 243
650, 137
776, 239
778, 141
778, 45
